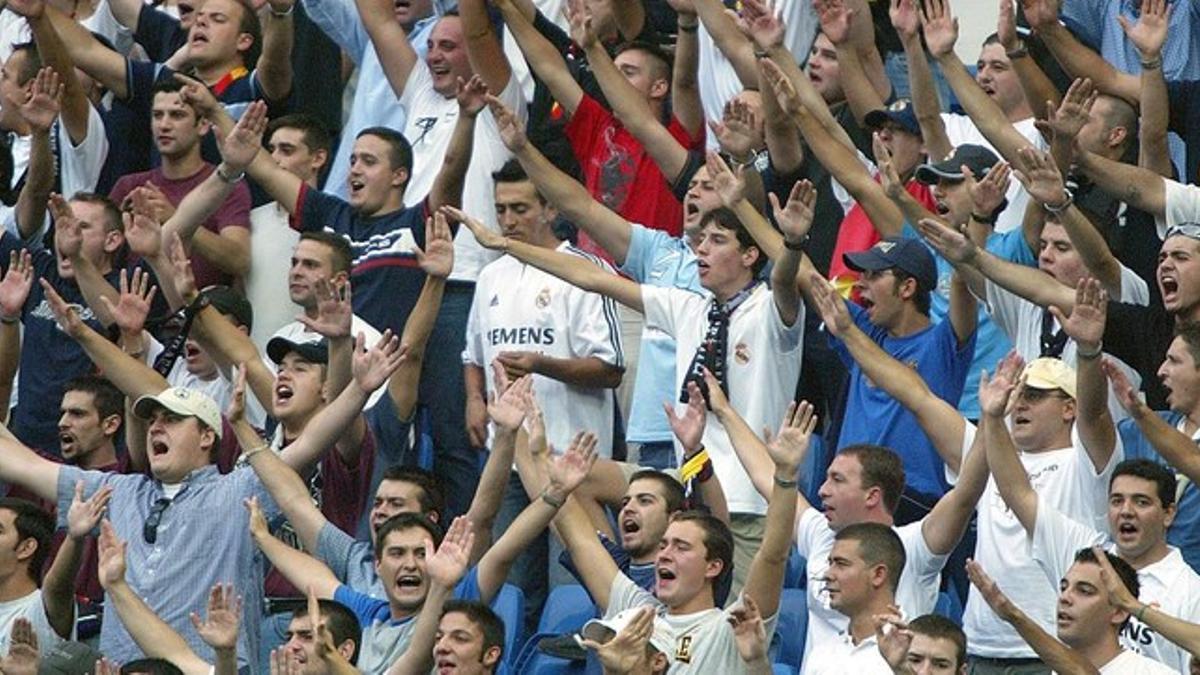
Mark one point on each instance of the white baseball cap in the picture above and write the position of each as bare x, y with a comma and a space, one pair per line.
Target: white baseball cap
602, 630
181, 401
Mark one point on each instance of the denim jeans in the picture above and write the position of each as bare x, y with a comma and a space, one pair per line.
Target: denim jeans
442, 394
657, 454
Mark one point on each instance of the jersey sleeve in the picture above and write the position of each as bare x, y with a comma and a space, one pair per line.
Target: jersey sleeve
643, 245
473, 350
366, 608
235, 210
624, 594
595, 330
334, 548
316, 209
1055, 540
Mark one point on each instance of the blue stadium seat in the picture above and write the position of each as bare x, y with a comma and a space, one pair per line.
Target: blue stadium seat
796, 573
792, 627
509, 604
566, 610
949, 606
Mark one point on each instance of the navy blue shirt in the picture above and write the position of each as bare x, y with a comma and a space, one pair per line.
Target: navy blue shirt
384, 273
1183, 100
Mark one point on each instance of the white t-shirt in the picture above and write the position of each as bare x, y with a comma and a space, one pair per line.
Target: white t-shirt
1182, 205
297, 332
839, 656
518, 307
428, 127
1021, 321
1170, 584
1065, 479
219, 388
961, 129
916, 592
704, 641
1129, 663
267, 281
763, 366
32, 608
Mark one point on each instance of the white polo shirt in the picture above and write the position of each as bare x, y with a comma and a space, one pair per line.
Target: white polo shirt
838, 655
1169, 584
1130, 663
763, 368
518, 307
916, 592
1067, 481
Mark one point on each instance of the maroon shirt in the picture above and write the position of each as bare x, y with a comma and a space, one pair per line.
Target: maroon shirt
234, 212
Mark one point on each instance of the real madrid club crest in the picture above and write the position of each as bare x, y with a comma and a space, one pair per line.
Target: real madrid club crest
741, 354
542, 301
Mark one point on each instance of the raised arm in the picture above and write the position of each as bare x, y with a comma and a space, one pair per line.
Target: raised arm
447, 188
14, 291
83, 49
544, 59
58, 587
75, 104
941, 32
795, 229
285, 486
298, 567
571, 198
1034, 82
506, 408
854, 58
1075, 58
1085, 326
275, 62
729, 38
685, 82
152, 635
391, 44
1148, 35
562, 265
39, 113
628, 104
906, 19
1055, 654
566, 472
483, 45
595, 566
1011, 479
689, 429
1177, 448
1183, 633
68, 239
764, 581
1140, 188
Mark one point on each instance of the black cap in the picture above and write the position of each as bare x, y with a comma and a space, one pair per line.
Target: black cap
230, 303
909, 255
311, 351
976, 158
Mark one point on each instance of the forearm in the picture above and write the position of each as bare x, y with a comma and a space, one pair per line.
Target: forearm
275, 62
768, 239
596, 567
713, 496
1178, 449
1057, 656
226, 662
1079, 61
729, 39
843, 164
630, 16
781, 134
1005, 465
1183, 633
58, 587
328, 427
543, 58
285, 486
94, 286
926, 105
402, 385
1140, 188
685, 85
783, 286
985, 113
588, 371
576, 204
493, 481
484, 50
10, 357
1096, 428
518, 536
417, 659
230, 347
153, 636
299, 568
586, 276
75, 104
1153, 152
1028, 282
133, 377
860, 94
764, 581
230, 254
39, 181
198, 206
1093, 250
964, 309
448, 186
750, 450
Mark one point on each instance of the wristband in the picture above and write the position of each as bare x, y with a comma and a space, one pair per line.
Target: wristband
9, 320
255, 451
983, 220
556, 503
795, 245
694, 466
1153, 64
689, 27
1066, 204
761, 54
1141, 612
785, 483
230, 178
1088, 356
285, 13
1018, 53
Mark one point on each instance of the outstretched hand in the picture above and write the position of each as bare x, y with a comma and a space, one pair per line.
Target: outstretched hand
449, 563
512, 133
1149, 34
1086, 323
940, 27
437, 258
219, 628
789, 446
689, 427
16, 284
995, 392
796, 217
372, 367
487, 237
568, 471
134, 303
242, 143
830, 305
45, 101
85, 514
335, 313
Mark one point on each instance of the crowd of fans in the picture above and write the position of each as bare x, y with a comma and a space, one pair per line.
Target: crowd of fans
352, 335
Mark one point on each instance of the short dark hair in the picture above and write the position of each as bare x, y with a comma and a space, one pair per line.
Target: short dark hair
343, 624
316, 135
113, 221
343, 255
406, 521
672, 491
400, 151
150, 667
171, 85
878, 544
107, 399
489, 623
33, 61
1189, 332
923, 298
513, 172
661, 62
724, 218
939, 627
718, 540
1124, 570
31, 523
433, 499
1162, 477
881, 468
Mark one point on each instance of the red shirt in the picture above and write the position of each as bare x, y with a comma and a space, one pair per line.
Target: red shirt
856, 233
233, 212
620, 174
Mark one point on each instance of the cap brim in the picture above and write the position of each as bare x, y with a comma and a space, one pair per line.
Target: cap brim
876, 119
866, 261
930, 174
279, 347
144, 407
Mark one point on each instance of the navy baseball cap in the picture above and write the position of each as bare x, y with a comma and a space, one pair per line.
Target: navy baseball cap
909, 255
314, 351
976, 158
899, 112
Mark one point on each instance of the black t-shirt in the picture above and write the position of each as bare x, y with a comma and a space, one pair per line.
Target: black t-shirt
1140, 336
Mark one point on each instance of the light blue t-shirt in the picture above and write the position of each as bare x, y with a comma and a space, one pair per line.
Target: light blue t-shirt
991, 344
656, 258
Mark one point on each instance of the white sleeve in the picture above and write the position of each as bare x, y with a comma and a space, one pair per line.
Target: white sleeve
1055, 540
658, 305
1182, 204
786, 339
1004, 308
419, 79
1134, 290
81, 164
594, 330
812, 532
968, 444
473, 351
624, 594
